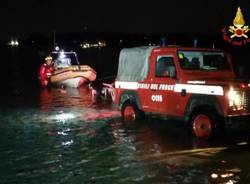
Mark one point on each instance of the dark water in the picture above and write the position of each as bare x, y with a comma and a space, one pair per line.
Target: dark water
65, 136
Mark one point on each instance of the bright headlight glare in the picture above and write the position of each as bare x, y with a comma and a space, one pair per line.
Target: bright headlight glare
234, 99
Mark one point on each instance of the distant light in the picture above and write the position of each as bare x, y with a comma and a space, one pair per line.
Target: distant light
85, 45
242, 143
214, 175
99, 44
13, 43
226, 175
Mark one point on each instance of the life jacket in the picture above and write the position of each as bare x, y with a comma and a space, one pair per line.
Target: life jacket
49, 70
46, 71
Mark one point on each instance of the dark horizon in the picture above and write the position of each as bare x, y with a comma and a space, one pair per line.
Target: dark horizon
20, 19
25, 60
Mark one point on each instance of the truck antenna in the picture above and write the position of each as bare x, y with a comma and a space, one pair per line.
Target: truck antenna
164, 41
54, 39
195, 43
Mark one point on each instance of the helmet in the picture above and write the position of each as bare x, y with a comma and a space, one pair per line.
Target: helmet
48, 58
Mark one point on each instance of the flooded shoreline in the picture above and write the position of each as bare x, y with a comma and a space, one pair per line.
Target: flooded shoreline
55, 136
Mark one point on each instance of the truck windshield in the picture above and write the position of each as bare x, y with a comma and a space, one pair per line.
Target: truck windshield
203, 60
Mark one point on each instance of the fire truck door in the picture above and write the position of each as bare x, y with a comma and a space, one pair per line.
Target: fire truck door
162, 84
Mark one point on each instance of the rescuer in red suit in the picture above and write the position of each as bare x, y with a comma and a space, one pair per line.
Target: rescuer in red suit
46, 71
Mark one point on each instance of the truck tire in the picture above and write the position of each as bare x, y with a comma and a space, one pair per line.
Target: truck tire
205, 123
130, 112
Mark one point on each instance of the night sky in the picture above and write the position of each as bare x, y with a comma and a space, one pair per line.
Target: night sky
20, 18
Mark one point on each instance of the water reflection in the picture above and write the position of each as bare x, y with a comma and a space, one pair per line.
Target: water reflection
67, 137
77, 104
70, 97
181, 158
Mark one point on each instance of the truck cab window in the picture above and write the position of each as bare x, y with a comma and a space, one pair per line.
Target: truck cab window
203, 60
164, 66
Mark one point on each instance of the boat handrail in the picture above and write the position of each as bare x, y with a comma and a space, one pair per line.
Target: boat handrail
67, 52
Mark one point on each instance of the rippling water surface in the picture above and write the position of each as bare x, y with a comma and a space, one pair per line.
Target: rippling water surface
66, 136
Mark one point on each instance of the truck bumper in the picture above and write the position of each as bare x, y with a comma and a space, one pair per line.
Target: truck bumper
238, 121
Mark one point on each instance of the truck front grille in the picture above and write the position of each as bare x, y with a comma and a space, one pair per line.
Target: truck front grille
246, 100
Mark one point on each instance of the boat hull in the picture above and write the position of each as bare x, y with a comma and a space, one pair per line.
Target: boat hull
72, 83
73, 76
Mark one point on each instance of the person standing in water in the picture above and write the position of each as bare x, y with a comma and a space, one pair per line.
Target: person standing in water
46, 71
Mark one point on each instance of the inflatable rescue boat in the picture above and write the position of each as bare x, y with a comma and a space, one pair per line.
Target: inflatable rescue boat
68, 72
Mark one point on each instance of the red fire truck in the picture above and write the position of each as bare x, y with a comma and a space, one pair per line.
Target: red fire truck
196, 85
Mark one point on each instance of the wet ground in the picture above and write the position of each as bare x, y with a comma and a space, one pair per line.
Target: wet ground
66, 136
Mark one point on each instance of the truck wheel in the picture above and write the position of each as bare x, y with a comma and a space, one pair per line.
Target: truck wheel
205, 123
130, 111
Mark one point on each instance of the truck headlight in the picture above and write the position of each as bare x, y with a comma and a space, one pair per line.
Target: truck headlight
235, 99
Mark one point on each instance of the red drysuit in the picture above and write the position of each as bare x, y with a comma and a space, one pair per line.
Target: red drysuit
45, 73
